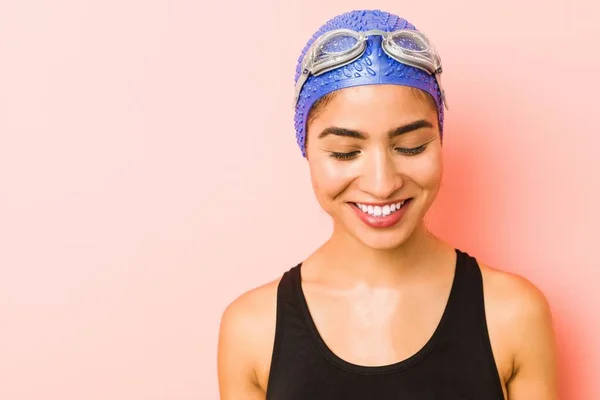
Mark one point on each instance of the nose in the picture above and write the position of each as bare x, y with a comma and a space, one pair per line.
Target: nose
381, 177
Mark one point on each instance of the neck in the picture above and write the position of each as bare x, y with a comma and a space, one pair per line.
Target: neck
349, 259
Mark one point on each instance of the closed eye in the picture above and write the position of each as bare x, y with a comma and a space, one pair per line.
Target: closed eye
411, 151
344, 156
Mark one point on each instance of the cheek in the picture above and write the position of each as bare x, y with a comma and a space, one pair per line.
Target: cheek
329, 179
427, 170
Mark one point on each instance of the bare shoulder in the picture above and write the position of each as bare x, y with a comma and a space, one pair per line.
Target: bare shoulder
513, 298
515, 293
246, 337
253, 306
521, 331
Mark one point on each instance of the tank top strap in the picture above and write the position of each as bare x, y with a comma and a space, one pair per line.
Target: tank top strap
285, 289
289, 312
291, 334
466, 303
467, 328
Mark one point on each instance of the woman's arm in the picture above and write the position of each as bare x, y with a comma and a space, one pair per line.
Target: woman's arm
534, 374
236, 359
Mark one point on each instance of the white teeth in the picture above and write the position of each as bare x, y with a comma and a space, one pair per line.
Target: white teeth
378, 211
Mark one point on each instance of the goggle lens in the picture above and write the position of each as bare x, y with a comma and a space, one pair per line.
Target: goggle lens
410, 42
335, 49
342, 43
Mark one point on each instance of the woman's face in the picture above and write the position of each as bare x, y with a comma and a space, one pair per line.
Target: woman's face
370, 149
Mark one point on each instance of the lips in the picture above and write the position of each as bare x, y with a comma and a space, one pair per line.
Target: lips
382, 215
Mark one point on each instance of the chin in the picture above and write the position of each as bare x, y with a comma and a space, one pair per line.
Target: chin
379, 240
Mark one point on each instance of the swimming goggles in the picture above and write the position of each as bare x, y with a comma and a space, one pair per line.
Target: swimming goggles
340, 47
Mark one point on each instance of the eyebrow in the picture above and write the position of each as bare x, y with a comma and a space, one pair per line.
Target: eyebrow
351, 133
356, 134
413, 126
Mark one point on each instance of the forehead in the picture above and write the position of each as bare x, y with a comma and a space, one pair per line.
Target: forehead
373, 109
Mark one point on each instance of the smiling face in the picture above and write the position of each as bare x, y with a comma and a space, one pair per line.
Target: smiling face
371, 149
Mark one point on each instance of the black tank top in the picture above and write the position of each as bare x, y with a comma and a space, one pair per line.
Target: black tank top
456, 363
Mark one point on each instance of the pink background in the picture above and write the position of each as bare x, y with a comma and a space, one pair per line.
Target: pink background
149, 175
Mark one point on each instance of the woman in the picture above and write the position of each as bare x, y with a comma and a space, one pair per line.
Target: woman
384, 309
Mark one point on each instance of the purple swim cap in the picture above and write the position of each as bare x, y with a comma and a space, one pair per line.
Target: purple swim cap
373, 67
